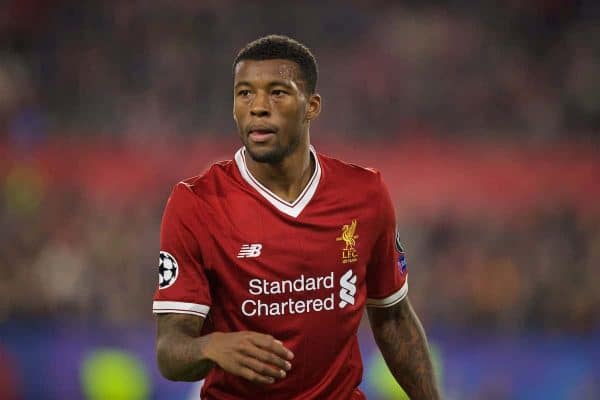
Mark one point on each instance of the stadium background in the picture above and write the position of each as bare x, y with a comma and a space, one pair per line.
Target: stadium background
483, 117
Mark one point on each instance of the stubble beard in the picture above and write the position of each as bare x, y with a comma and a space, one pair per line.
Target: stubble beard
277, 154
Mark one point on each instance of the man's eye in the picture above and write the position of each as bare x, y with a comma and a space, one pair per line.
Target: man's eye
243, 93
278, 92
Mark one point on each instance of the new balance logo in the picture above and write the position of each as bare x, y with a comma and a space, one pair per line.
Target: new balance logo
348, 290
250, 250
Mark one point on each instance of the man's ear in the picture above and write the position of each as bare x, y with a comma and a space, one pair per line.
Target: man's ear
314, 107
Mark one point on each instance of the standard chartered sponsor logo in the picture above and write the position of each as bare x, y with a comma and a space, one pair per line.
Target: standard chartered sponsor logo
348, 290
259, 305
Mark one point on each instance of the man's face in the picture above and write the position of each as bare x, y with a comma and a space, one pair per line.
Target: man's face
271, 108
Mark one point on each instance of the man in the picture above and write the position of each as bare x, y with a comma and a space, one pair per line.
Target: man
268, 260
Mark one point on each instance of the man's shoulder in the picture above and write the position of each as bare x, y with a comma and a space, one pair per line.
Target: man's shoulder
348, 171
217, 174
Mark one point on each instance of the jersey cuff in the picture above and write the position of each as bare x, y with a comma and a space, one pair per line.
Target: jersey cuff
179, 307
391, 300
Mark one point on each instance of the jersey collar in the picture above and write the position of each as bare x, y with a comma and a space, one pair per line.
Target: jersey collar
292, 209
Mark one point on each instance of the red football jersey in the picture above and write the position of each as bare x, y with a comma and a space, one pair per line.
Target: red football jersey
243, 258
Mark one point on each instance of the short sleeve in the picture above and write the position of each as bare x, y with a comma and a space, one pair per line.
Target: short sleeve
386, 272
182, 283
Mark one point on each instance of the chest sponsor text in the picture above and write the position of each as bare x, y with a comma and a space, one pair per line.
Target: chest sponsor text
304, 295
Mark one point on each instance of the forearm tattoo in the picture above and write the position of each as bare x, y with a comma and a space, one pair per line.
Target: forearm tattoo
402, 342
177, 347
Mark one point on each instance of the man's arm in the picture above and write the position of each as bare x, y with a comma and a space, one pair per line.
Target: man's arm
184, 355
403, 344
180, 349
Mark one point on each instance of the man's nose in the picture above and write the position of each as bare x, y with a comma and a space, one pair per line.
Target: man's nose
260, 105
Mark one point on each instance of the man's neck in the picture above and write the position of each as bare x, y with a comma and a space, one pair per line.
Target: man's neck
288, 178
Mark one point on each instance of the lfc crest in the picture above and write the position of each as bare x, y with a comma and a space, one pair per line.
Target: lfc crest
349, 253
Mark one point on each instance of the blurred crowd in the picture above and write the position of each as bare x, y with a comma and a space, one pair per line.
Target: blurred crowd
151, 71
64, 256
530, 273
522, 69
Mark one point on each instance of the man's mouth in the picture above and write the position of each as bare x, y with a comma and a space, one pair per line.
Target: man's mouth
261, 134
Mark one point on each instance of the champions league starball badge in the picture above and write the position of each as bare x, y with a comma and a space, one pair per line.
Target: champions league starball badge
168, 270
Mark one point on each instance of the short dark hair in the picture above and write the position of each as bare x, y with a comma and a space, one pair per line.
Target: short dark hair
282, 47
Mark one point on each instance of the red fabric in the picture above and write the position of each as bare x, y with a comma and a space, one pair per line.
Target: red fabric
208, 220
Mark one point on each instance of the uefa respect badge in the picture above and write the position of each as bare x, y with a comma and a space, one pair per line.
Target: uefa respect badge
401, 263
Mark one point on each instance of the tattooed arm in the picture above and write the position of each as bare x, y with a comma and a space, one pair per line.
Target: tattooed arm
402, 342
180, 348
184, 355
